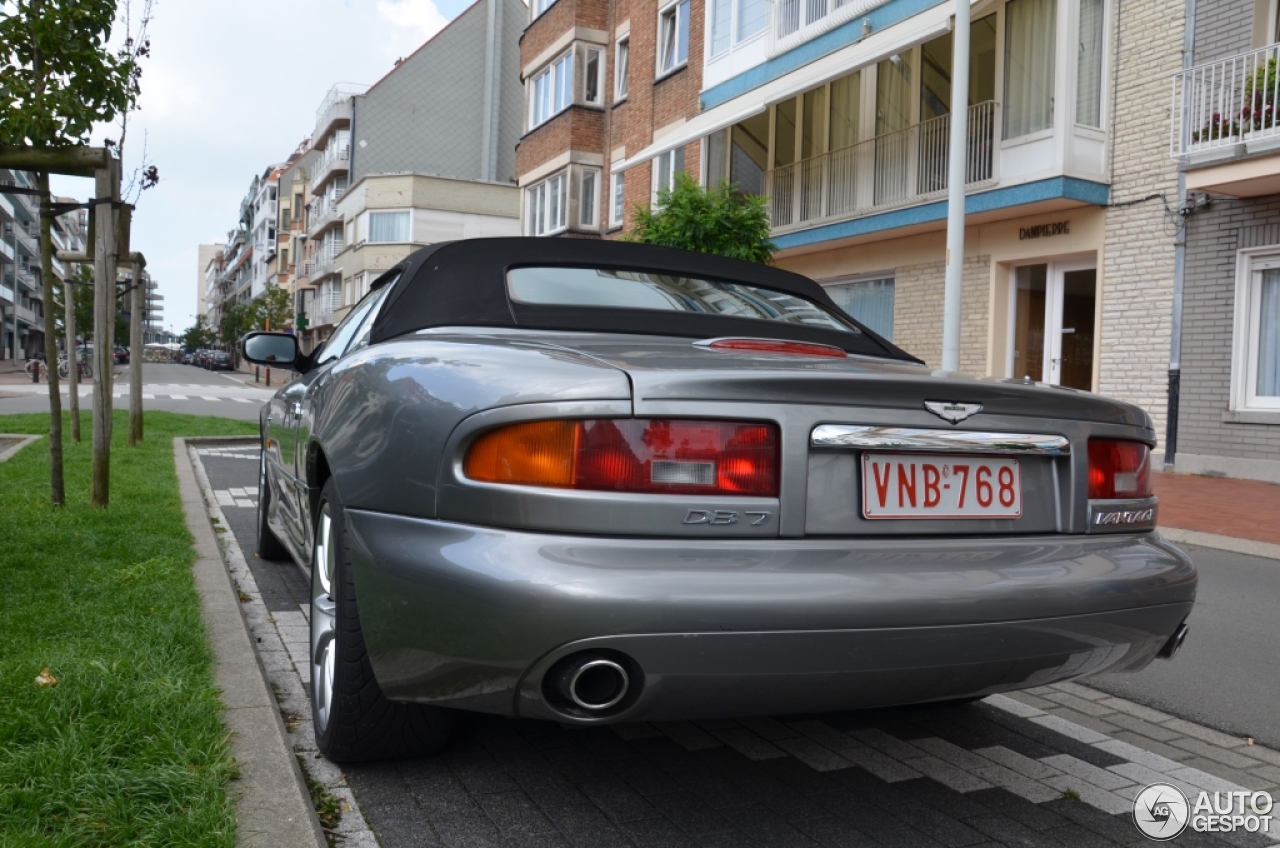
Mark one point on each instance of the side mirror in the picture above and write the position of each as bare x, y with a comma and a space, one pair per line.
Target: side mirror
261, 348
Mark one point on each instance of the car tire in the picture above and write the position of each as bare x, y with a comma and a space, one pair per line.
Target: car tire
353, 720
269, 544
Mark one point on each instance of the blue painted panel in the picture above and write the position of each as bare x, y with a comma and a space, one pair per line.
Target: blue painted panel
884, 17
1054, 188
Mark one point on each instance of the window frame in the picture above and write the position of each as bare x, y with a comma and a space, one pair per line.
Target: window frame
672, 12
585, 208
621, 67
535, 12
408, 216
545, 211
585, 59
617, 198
656, 188
736, 38
555, 75
1245, 338
856, 279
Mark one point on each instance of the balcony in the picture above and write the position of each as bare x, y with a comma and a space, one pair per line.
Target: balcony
323, 261
1224, 124
896, 169
797, 21
333, 162
322, 212
335, 110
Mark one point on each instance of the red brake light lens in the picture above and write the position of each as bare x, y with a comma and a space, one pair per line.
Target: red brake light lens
1119, 469
659, 456
778, 346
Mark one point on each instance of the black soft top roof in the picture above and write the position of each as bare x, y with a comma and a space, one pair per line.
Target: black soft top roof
463, 284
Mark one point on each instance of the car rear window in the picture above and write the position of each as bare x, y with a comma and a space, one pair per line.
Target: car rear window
627, 289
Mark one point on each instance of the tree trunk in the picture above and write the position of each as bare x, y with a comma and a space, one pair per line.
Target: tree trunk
73, 359
104, 313
56, 489
135, 356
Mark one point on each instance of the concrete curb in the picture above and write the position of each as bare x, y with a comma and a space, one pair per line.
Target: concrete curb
1224, 543
23, 441
273, 807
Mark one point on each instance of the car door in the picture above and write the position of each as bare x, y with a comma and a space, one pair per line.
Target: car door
351, 334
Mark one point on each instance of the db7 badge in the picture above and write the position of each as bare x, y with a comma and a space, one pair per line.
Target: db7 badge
723, 516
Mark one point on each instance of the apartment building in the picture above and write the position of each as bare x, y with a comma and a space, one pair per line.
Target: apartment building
21, 296
839, 113
205, 254
290, 266
1226, 141
263, 234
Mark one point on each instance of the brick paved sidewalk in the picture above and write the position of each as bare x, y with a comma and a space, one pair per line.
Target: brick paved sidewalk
1245, 509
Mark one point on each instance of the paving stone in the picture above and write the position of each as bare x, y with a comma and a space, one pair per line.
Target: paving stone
717, 724
749, 744
881, 765
1012, 705
1037, 701
1094, 723
586, 827
1079, 705
1107, 801
1069, 728
768, 728
1078, 836
952, 753
904, 837
947, 800
468, 831
948, 775
1144, 776
1204, 780
1245, 779
1020, 785
1080, 691
1035, 815
944, 829
812, 754
1009, 832
835, 833
1270, 774
1025, 766
769, 828
784, 801
1159, 748
692, 815
1205, 734
1101, 778
634, 730
1214, 752
687, 735
1116, 829
516, 817
1260, 752
442, 801
656, 833
825, 735
1136, 710
887, 743
1146, 728
618, 801
480, 773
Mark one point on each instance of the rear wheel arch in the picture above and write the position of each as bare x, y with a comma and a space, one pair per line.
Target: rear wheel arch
318, 473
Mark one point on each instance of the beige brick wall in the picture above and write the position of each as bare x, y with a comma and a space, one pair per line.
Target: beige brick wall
917, 312
1137, 268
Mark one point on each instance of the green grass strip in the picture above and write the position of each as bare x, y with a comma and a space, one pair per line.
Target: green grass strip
129, 748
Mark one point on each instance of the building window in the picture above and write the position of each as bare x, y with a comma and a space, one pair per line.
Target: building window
540, 6
552, 90
735, 21
593, 66
617, 195
673, 37
389, 226
867, 299
1256, 343
1029, 36
665, 167
588, 198
1089, 64
548, 206
622, 61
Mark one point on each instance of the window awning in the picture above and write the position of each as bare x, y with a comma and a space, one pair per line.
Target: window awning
902, 36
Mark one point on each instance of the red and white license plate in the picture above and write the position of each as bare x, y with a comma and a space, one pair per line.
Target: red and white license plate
896, 485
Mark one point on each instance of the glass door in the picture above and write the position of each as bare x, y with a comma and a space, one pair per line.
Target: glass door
1053, 322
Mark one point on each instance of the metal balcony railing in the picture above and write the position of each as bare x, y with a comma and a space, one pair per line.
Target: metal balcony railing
323, 211
797, 21
895, 169
1227, 102
334, 159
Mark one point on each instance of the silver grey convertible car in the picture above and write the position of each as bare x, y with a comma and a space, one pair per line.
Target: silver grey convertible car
599, 482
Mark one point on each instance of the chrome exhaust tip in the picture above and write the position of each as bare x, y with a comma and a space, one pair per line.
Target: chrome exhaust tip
593, 682
1175, 643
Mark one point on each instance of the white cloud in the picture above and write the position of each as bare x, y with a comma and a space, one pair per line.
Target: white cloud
231, 88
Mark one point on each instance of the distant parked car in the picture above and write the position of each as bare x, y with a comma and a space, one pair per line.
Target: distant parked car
121, 355
596, 482
221, 361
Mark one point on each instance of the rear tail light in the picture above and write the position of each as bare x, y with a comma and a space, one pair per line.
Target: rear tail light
1119, 469
659, 456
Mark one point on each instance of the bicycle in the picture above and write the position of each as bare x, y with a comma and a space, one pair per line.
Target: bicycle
31, 365
84, 368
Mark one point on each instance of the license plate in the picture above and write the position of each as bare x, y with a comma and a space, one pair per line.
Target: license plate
896, 485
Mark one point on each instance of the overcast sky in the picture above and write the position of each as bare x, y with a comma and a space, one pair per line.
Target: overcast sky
230, 88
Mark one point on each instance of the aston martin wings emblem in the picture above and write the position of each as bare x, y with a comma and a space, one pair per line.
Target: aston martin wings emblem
952, 411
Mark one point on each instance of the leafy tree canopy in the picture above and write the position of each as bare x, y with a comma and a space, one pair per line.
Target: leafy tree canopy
715, 220
57, 76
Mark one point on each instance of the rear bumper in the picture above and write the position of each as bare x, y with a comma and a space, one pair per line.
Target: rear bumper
473, 617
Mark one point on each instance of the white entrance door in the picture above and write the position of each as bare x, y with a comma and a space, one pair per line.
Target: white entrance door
1053, 322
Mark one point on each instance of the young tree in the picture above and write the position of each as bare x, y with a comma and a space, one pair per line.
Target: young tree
716, 220
237, 320
58, 79
274, 304
197, 335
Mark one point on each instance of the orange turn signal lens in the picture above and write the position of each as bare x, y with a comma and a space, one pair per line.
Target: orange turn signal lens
536, 453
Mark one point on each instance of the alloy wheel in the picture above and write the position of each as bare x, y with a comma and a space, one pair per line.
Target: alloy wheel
324, 645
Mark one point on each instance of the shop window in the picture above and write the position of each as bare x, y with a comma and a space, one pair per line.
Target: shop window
1256, 341
673, 37
868, 299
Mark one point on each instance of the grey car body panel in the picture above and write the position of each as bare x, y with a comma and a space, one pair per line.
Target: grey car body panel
457, 614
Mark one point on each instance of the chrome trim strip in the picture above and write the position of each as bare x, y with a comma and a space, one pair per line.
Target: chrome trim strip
946, 441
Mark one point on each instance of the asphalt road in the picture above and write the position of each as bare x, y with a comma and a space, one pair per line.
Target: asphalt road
763, 781
1227, 674
168, 388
